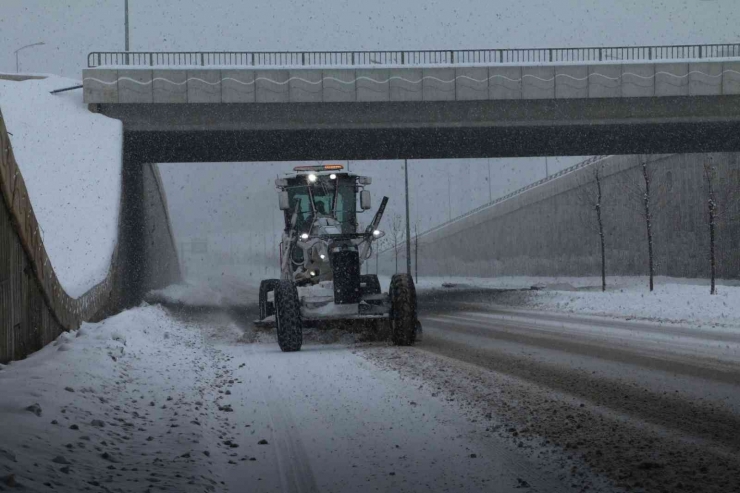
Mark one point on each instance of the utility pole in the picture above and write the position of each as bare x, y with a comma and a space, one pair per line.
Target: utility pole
377, 254
125, 21
449, 196
416, 251
408, 219
490, 192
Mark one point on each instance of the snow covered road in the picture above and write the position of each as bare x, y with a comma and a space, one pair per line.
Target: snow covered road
191, 401
337, 421
653, 406
495, 398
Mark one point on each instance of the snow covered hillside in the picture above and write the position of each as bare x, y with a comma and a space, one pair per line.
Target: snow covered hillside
70, 159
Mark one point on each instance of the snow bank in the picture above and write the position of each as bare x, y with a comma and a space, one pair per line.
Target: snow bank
71, 162
111, 404
673, 300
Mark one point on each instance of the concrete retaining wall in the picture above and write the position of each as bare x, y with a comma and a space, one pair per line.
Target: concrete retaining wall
242, 85
548, 230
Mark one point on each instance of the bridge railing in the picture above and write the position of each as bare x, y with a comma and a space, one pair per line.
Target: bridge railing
414, 57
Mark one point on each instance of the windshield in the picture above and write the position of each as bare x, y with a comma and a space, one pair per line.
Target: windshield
325, 197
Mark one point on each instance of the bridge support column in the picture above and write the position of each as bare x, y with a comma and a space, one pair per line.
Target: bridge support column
147, 252
132, 263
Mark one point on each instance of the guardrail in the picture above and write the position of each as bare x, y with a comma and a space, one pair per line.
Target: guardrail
570, 169
413, 57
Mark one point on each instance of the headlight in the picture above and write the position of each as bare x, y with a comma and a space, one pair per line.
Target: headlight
332, 176
322, 256
304, 236
377, 233
312, 178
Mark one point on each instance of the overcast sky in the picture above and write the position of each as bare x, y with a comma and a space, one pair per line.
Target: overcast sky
235, 205
72, 28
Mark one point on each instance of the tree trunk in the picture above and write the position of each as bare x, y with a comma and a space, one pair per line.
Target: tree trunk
648, 223
601, 231
712, 260
712, 210
712, 206
395, 250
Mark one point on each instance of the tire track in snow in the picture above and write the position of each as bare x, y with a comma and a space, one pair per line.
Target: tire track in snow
296, 475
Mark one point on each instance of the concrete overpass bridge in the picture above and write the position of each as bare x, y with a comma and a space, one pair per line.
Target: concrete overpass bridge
200, 107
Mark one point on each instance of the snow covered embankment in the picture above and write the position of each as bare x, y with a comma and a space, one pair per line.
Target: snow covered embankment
121, 404
70, 160
685, 301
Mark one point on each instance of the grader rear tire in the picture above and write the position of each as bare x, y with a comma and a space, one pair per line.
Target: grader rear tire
403, 310
288, 317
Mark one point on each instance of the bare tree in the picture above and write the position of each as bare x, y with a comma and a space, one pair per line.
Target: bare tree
721, 202
590, 195
648, 197
397, 230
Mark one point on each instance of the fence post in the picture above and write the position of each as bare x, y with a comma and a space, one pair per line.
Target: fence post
403, 58
151, 60
452, 57
303, 58
600, 55
550, 51
201, 60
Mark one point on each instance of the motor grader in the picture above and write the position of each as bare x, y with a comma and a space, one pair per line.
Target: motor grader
321, 256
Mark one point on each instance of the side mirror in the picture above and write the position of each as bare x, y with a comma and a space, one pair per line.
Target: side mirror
365, 202
284, 201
